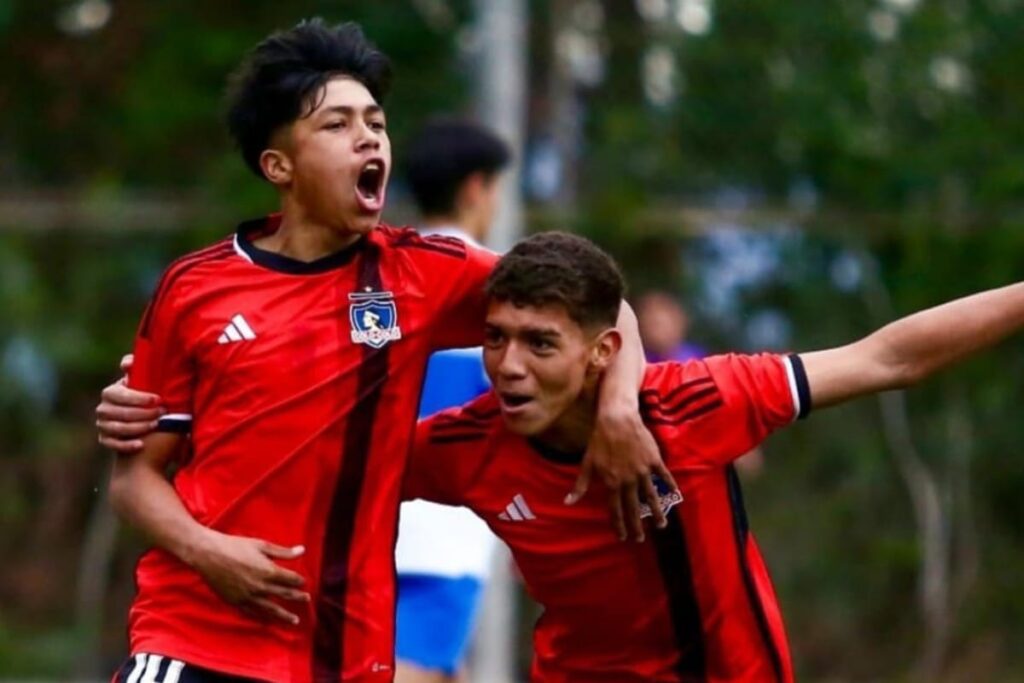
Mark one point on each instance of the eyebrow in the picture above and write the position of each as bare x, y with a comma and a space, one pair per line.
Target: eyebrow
345, 109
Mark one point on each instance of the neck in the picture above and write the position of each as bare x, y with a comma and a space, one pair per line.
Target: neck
301, 238
571, 432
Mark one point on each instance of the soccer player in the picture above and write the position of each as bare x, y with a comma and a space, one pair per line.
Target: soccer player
695, 602
288, 358
443, 556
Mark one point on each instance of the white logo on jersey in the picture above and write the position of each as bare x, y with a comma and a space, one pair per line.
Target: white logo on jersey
517, 510
237, 330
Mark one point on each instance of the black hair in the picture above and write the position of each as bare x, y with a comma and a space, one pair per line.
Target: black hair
280, 78
443, 154
562, 269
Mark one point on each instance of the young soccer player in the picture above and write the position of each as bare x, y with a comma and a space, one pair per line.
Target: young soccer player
291, 354
453, 168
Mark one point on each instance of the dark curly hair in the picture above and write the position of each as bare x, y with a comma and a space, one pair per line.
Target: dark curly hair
561, 269
279, 80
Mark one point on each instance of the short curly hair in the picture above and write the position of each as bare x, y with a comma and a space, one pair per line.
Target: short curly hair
562, 269
279, 80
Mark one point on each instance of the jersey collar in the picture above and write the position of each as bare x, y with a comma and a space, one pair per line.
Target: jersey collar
284, 264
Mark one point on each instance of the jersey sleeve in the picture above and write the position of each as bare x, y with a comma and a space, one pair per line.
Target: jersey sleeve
460, 322
448, 451
720, 408
162, 362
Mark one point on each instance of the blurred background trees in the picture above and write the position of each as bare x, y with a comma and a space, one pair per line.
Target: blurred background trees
797, 172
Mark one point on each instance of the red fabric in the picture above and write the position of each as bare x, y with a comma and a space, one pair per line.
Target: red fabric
272, 420
614, 611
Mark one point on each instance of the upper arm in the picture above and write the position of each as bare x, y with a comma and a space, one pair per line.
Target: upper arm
461, 319
722, 407
429, 473
447, 453
163, 364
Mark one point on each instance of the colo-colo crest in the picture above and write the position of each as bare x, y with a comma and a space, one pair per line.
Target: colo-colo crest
374, 318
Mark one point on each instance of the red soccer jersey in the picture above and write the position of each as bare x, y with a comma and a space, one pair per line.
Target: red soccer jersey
694, 602
299, 384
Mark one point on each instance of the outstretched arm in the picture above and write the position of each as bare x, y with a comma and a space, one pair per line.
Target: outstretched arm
912, 348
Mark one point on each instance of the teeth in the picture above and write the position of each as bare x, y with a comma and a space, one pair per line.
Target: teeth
373, 166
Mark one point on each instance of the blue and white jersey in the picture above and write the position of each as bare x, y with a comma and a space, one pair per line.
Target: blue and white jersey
440, 540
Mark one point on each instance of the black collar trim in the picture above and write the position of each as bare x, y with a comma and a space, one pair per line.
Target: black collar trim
286, 264
555, 455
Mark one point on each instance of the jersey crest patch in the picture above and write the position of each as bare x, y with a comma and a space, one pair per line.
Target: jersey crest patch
374, 318
667, 498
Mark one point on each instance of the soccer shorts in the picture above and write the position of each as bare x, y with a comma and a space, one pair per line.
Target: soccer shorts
160, 669
434, 620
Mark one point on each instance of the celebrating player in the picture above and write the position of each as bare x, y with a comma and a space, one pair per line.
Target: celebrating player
292, 353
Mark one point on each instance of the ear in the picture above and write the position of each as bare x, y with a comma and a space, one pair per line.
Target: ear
604, 349
276, 166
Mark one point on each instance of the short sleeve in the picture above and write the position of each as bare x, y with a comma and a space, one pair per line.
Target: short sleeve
461, 320
448, 451
162, 363
720, 408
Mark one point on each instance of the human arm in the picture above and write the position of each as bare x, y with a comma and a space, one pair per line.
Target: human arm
125, 415
910, 349
622, 450
241, 570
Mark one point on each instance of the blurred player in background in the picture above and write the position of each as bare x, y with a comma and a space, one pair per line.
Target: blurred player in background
665, 328
443, 555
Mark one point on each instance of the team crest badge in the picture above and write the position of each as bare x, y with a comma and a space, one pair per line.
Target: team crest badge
374, 318
667, 498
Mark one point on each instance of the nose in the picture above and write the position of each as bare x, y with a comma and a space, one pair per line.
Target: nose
511, 365
368, 139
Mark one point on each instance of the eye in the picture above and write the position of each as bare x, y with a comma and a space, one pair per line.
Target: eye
378, 126
334, 125
493, 338
541, 345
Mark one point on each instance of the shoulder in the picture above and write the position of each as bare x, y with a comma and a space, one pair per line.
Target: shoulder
408, 239
191, 268
675, 392
470, 423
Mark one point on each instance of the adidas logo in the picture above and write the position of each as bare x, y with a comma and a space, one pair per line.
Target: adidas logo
237, 330
517, 510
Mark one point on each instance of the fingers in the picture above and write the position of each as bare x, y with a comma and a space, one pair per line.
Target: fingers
615, 503
579, 489
268, 608
629, 493
116, 413
650, 492
120, 395
126, 362
119, 446
119, 429
281, 552
286, 593
665, 474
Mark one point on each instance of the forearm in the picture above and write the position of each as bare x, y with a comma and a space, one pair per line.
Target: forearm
920, 344
144, 499
621, 384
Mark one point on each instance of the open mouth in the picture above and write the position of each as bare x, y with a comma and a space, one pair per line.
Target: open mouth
370, 186
512, 401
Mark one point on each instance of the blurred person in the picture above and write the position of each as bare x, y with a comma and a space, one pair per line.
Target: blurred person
288, 360
696, 602
443, 555
665, 328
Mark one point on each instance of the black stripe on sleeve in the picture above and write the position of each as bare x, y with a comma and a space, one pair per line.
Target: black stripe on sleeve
174, 425
803, 389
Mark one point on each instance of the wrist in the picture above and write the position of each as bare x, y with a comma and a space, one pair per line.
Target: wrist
196, 545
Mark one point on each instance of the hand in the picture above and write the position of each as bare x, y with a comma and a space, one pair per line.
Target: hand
243, 572
125, 415
625, 455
